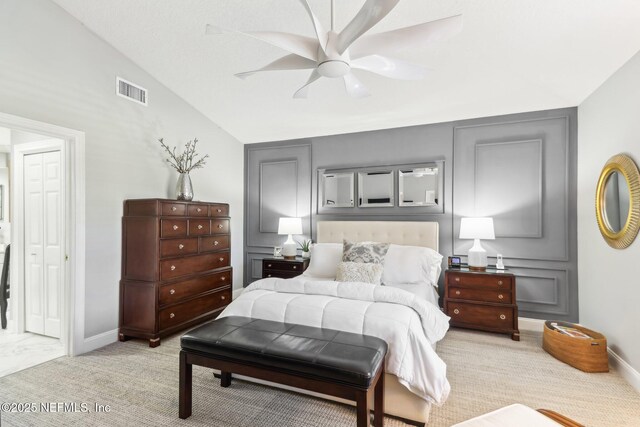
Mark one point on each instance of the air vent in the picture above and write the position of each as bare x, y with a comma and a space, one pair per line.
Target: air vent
131, 91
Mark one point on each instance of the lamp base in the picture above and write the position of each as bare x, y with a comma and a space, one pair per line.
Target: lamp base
289, 249
477, 257
289, 257
477, 268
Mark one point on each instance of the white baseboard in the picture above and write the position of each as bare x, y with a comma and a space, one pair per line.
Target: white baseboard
627, 371
100, 340
528, 324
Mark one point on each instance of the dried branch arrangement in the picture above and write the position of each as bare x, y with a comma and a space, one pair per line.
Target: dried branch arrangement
186, 161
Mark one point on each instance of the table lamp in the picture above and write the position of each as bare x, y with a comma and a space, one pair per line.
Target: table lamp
476, 229
290, 226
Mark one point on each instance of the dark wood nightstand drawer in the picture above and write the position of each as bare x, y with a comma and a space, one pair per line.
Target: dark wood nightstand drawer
487, 295
476, 315
280, 274
479, 280
282, 266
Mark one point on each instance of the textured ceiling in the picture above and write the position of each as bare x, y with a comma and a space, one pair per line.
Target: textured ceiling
512, 56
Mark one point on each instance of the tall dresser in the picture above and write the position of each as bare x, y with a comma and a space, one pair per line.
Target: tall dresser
175, 266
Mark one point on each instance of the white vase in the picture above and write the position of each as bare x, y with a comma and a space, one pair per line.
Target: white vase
184, 189
306, 254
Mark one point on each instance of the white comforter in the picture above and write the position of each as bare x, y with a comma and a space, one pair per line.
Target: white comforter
410, 325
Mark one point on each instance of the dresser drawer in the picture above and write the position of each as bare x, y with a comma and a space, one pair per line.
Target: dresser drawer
280, 274
220, 226
479, 280
178, 247
488, 295
198, 227
170, 268
282, 266
181, 313
489, 316
173, 227
173, 209
174, 292
197, 210
213, 243
218, 210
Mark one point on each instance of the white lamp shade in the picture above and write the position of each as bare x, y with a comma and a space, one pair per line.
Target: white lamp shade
477, 228
290, 226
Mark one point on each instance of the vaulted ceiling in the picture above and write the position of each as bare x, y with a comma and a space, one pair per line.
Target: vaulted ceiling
512, 56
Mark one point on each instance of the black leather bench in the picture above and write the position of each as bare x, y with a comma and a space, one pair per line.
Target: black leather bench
335, 363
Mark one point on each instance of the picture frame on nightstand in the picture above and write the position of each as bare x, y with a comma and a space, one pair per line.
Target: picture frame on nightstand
277, 251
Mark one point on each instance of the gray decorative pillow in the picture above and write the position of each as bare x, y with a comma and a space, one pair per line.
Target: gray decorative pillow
359, 272
364, 252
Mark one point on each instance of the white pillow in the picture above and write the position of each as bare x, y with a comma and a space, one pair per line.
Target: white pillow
366, 272
411, 264
325, 258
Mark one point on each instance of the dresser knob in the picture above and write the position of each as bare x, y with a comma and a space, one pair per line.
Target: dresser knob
268, 275
198, 210
269, 265
223, 297
502, 317
219, 210
173, 267
173, 209
456, 311
499, 282
172, 291
221, 259
295, 267
220, 226
199, 226
500, 296
457, 279
223, 278
171, 316
457, 292
216, 243
180, 246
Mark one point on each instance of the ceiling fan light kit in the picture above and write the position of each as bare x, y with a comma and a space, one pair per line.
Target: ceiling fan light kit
335, 55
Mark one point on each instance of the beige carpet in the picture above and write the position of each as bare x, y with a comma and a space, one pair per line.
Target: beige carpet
140, 384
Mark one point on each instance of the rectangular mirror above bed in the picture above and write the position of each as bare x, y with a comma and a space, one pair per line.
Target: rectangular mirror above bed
375, 189
419, 186
337, 189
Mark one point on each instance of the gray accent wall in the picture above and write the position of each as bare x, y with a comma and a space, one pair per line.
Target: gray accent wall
520, 169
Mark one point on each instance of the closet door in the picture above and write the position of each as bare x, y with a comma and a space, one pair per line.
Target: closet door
43, 242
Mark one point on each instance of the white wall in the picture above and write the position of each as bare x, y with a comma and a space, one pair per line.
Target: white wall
52, 69
608, 124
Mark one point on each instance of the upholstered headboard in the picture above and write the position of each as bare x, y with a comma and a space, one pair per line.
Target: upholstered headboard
397, 232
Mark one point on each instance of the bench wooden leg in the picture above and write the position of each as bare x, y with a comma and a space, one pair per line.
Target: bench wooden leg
362, 409
186, 386
225, 379
378, 401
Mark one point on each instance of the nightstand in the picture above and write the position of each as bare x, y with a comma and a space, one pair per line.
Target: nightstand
483, 300
283, 268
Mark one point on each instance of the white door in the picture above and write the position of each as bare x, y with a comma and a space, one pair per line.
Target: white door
43, 242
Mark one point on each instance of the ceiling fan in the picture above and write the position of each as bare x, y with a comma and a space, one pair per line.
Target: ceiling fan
334, 54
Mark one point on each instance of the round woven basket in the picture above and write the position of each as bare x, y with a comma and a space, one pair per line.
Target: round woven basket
586, 354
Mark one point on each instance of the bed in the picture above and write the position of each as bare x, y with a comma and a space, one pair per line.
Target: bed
416, 376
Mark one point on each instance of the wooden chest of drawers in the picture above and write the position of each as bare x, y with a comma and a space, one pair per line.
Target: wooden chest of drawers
283, 268
175, 266
482, 300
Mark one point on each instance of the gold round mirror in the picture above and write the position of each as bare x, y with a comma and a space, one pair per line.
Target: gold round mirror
618, 201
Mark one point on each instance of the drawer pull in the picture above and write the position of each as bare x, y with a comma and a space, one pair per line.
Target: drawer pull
457, 279
268, 275
457, 292
220, 226
502, 317
295, 267
173, 267
216, 243
219, 210
175, 227
199, 226
269, 265
500, 296
223, 278
180, 246
456, 311
221, 259
173, 208
223, 297
198, 210
172, 291
499, 282
171, 316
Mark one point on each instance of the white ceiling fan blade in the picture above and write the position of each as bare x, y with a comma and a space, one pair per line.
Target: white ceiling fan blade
303, 92
371, 13
390, 67
289, 62
323, 36
293, 43
354, 87
407, 38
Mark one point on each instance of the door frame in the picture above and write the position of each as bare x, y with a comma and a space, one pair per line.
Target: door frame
72, 150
